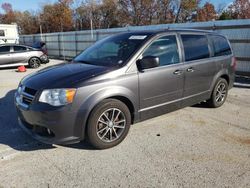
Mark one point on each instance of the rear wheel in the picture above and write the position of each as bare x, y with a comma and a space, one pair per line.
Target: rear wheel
34, 62
219, 94
108, 124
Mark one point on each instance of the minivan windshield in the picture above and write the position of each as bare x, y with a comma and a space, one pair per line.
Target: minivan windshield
112, 51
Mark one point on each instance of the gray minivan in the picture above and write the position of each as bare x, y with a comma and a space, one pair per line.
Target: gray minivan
124, 79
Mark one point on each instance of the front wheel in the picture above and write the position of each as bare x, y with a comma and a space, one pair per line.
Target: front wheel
108, 124
34, 62
219, 94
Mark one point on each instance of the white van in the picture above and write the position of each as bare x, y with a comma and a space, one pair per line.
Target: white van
9, 34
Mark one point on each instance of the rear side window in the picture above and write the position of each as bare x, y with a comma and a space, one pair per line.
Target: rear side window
19, 48
4, 49
221, 46
195, 47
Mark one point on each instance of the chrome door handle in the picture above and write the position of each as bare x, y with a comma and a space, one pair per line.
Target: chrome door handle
178, 72
190, 69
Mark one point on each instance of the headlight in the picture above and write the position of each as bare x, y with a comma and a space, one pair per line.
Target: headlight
19, 89
57, 97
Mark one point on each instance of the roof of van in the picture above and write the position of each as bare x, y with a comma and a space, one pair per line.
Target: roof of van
154, 32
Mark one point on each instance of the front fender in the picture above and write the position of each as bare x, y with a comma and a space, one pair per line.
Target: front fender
95, 98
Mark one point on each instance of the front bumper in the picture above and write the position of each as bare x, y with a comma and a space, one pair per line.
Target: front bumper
48, 124
44, 59
46, 139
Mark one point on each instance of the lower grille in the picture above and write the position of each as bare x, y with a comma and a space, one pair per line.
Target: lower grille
39, 130
27, 100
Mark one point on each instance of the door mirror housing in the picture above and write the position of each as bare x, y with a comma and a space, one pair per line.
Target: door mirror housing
148, 62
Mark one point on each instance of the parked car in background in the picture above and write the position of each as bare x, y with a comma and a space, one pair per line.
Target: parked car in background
12, 55
124, 79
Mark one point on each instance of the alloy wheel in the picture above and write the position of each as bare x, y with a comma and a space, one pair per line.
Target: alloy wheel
34, 62
221, 93
110, 125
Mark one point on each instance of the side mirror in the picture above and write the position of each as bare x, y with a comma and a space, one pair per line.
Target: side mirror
148, 62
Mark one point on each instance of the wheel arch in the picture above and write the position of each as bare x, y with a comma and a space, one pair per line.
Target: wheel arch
222, 74
226, 77
124, 95
127, 102
33, 57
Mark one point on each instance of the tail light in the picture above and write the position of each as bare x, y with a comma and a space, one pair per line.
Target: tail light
234, 62
45, 51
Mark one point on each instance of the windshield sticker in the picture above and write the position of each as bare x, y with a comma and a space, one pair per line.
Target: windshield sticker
137, 37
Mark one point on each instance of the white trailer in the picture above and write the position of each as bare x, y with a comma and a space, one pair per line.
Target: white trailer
9, 34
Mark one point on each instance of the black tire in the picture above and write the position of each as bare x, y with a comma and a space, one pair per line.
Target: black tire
219, 94
104, 121
34, 62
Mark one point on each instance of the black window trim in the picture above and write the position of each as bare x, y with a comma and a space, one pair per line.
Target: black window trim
183, 51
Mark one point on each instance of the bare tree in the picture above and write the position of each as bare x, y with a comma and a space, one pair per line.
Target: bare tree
241, 9
187, 9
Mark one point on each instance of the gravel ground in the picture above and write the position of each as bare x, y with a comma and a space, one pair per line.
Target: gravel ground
192, 147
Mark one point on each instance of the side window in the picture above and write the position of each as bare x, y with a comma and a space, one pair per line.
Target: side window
165, 48
221, 46
4, 49
195, 47
19, 48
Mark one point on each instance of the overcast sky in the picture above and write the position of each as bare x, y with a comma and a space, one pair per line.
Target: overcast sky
36, 4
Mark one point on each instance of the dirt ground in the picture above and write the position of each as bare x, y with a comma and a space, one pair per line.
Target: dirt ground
192, 147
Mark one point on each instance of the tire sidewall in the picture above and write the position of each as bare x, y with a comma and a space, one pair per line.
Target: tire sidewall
38, 65
215, 103
94, 116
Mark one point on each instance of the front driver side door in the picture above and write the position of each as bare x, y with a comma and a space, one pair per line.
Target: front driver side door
161, 88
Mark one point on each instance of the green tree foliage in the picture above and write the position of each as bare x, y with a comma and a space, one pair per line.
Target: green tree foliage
225, 15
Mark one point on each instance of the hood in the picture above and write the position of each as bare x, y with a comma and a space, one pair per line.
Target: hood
63, 75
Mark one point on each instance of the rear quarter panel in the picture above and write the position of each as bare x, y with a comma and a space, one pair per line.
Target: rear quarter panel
33, 54
224, 68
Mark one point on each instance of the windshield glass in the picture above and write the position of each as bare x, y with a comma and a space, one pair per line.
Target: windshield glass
112, 51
